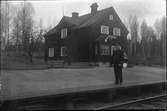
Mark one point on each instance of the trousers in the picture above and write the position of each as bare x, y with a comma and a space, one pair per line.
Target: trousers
118, 73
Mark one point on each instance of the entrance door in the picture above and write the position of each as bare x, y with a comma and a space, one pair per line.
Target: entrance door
83, 52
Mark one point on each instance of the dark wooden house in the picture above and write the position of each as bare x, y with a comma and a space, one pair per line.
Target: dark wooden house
89, 37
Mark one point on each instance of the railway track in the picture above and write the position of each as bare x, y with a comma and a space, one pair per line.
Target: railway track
138, 97
157, 101
143, 103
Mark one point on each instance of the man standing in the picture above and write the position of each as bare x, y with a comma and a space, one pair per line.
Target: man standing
118, 57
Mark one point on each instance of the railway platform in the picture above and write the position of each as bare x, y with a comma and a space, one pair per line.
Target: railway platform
33, 83
69, 83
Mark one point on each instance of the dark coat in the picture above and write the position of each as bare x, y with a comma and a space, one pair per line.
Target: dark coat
118, 57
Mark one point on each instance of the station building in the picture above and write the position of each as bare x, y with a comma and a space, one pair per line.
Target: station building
86, 38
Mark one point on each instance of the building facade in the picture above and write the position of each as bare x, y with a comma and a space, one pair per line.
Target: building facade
88, 38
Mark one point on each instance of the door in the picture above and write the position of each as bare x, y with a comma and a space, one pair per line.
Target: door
83, 51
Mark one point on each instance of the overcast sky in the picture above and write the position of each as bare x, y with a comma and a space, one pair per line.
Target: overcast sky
51, 11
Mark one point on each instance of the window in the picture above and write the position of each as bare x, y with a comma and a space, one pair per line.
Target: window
51, 52
104, 50
63, 33
104, 29
112, 49
116, 31
111, 17
63, 51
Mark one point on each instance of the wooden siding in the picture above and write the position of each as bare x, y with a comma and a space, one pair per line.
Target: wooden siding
81, 42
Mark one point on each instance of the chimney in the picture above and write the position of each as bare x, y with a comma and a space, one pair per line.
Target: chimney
94, 7
75, 15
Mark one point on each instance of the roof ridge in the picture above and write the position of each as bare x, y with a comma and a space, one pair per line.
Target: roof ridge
83, 19
90, 13
98, 13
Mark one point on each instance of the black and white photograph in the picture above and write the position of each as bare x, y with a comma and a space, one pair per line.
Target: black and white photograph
83, 55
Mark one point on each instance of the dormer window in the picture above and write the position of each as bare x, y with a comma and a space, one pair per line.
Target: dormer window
117, 31
111, 17
104, 29
63, 33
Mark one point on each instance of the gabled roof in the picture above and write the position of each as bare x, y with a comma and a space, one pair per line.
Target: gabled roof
77, 21
52, 31
70, 20
86, 20
93, 18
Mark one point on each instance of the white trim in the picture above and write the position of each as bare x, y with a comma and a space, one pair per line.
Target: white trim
63, 33
112, 49
104, 50
104, 29
51, 52
111, 17
116, 31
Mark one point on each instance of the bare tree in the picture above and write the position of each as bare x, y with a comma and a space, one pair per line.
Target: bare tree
25, 16
144, 37
1, 26
150, 38
39, 37
5, 22
163, 40
133, 25
160, 29
17, 29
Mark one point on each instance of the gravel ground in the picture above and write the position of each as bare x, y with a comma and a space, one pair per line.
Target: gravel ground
29, 83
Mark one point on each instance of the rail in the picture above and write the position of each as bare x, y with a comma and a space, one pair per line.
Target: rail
129, 102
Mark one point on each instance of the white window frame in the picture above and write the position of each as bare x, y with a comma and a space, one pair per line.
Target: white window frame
63, 33
116, 31
104, 50
112, 49
104, 29
63, 48
51, 52
111, 17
